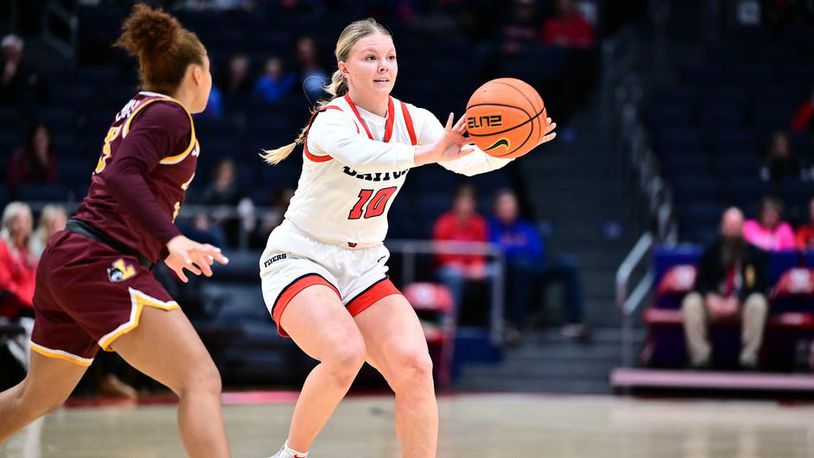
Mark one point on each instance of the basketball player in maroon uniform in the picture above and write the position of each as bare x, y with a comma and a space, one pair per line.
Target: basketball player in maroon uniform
94, 286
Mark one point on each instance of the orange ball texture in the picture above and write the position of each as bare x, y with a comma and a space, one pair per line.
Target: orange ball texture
506, 117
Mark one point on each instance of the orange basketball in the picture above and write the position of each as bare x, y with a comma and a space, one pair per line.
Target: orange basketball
506, 117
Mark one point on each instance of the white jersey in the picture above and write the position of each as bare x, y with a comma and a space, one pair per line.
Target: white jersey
356, 163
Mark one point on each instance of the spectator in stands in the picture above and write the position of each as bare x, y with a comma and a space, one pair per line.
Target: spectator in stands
803, 120
461, 224
17, 83
18, 264
571, 32
237, 80
805, 233
731, 284
224, 192
438, 19
568, 28
522, 30
528, 268
224, 189
17, 274
274, 84
312, 74
781, 163
768, 232
52, 220
35, 161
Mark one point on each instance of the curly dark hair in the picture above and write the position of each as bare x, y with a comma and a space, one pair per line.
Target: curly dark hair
164, 48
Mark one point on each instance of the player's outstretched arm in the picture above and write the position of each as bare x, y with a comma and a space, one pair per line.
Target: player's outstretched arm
477, 161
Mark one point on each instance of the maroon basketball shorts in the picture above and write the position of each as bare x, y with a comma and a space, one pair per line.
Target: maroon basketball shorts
87, 295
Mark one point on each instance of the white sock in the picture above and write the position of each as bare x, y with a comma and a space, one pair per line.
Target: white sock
291, 453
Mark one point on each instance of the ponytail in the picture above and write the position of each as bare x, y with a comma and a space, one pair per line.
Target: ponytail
336, 88
275, 156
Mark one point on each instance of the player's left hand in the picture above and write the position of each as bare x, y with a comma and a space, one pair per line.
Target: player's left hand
549, 132
195, 257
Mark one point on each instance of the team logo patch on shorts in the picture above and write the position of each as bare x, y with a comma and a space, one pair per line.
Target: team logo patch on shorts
274, 259
120, 271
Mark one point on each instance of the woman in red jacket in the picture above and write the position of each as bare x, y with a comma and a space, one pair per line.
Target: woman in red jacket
17, 264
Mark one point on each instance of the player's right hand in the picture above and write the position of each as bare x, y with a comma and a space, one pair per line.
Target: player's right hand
448, 147
192, 256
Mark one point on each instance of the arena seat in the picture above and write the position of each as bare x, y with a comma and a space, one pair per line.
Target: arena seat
704, 214
745, 191
753, 76
717, 115
671, 138
434, 305
680, 165
671, 114
673, 268
736, 164
768, 115
703, 76
726, 94
734, 139
696, 188
41, 193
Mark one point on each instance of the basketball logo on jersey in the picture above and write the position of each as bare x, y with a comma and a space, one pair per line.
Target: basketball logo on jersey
120, 271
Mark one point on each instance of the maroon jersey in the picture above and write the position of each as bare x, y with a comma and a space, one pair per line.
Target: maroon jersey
148, 161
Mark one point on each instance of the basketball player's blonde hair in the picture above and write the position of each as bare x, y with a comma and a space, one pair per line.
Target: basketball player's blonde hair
338, 86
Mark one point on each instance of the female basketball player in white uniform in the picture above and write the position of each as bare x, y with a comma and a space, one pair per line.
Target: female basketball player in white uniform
324, 268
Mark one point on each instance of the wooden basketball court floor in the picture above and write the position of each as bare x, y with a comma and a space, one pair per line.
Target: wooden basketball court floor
472, 425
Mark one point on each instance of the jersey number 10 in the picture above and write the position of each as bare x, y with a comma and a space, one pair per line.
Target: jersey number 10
371, 207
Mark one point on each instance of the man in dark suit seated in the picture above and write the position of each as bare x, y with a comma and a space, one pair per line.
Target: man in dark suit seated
731, 284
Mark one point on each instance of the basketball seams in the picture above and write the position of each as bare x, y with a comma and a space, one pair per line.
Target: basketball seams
531, 103
520, 145
498, 105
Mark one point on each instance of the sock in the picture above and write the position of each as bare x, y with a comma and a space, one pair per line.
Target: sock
293, 453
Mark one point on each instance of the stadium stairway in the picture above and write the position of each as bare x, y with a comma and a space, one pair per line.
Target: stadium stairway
575, 189
547, 362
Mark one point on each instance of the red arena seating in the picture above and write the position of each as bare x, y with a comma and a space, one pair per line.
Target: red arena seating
435, 308
791, 313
